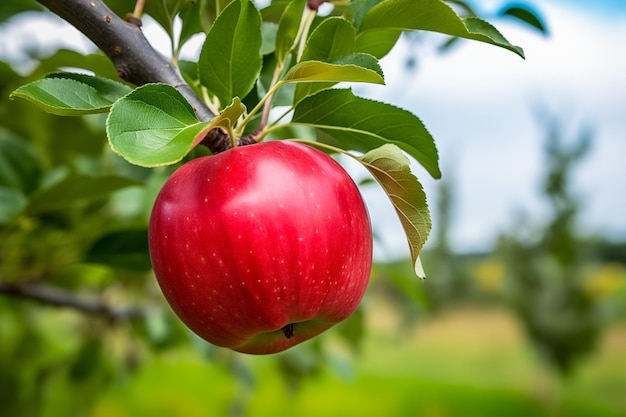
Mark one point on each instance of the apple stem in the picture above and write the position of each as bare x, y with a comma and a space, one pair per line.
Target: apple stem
288, 331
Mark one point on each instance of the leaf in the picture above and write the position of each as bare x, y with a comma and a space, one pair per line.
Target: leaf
97, 63
377, 42
85, 365
230, 60
368, 72
70, 94
357, 9
210, 10
12, 202
154, 125
76, 189
331, 39
8, 9
363, 125
268, 34
190, 17
127, 249
526, 15
434, 16
392, 170
19, 167
288, 27
164, 12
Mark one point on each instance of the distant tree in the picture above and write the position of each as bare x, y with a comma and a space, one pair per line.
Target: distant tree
545, 263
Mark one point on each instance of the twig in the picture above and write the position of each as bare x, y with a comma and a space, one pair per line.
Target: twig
56, 297
132, 55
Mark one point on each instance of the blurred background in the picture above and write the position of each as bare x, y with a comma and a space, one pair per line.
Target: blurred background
523, 312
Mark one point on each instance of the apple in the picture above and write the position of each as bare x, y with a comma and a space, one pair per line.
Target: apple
261, 247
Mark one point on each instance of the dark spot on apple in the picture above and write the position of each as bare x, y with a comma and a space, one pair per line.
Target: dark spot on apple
288, 331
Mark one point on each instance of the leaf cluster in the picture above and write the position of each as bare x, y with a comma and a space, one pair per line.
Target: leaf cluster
286, 58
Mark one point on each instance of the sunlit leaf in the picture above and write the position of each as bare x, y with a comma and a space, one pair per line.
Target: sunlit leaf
330, 40
70, 94
369, 72
392, 170
154, 125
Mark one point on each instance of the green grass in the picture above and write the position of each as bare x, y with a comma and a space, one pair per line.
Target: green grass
467, 363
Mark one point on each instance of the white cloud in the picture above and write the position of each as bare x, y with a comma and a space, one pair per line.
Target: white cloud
480, 103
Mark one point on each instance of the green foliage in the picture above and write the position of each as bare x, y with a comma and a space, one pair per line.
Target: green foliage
154, 125
526, 15
385, 124
167, 128
73, 213
70, 94
434, 16
230, 60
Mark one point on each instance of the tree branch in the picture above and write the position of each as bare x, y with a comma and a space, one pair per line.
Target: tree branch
132, 55
56, 297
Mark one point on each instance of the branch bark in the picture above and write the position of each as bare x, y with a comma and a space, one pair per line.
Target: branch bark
56, 297
124, 43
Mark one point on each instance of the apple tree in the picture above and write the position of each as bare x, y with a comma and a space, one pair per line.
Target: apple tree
86, 151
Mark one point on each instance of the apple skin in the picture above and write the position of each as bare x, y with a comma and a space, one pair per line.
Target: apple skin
261, 247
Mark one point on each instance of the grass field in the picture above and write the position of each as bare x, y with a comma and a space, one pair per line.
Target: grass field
467, 362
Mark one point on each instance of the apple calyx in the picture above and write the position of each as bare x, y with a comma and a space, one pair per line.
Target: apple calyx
288, 330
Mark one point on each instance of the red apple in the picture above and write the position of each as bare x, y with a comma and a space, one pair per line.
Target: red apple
261, 247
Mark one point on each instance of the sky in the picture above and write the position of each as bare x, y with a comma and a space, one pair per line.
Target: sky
484, 107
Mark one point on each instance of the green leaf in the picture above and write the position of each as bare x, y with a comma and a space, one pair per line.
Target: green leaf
377, 42
164, 12
356, 123
190, 17
526, 15
19, 168
392, 170
12, 202
97, 63
434, 16
76, 189
288, 29
70, 94
268, 33
230, 60
8, 9
357, 9
331, 39
367, 70
154, 125
210, 10
126, 249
